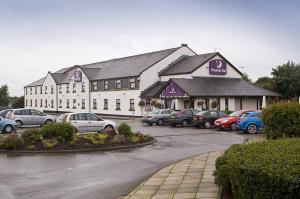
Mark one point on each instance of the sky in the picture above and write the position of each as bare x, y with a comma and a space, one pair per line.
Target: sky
37, 36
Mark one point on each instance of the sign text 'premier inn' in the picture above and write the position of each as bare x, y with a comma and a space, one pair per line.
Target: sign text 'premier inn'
217, 67
77, 76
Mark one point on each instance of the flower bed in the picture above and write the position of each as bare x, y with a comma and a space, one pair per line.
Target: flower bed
62, 136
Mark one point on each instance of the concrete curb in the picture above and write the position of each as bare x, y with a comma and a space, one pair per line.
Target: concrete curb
79, 150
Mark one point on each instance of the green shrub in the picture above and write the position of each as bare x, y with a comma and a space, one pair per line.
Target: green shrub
124, 129
12, 141
95, 138
61, 131
134, 139
269, 170
31, 136
31, 147
49, 143
282, 120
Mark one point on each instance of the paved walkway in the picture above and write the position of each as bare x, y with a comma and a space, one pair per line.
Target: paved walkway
188, 179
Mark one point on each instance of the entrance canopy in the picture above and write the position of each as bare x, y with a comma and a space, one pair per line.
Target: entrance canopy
205, 87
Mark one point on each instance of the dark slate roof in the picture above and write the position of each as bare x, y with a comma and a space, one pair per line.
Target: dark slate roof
39, 82
126, 66
188, 64
214, 87
153, 90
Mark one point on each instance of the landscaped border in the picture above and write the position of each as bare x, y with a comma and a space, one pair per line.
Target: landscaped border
128, 146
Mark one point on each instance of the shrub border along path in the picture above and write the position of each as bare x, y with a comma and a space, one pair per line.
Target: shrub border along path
129, 146
191, 178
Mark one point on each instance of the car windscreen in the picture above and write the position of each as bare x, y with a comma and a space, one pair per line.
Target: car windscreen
203, 113
155, 112
235, 114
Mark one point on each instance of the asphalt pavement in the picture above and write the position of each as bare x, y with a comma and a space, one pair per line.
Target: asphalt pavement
104, 175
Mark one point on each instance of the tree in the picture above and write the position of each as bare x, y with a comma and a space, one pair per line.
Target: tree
265, 82
19, 102
287, 79
246, 77
4, 97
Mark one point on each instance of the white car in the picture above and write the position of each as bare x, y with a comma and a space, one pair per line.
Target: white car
87, 122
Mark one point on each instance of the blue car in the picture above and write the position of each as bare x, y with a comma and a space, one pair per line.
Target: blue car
251, 122
7, 126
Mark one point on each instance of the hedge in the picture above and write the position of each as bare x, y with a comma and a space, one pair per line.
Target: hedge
61, 131
282, 120
269, 170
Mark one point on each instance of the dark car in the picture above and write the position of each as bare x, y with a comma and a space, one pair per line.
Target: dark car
207, 118
158, 117
183, 118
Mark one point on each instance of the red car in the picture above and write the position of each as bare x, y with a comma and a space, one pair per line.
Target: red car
230, 122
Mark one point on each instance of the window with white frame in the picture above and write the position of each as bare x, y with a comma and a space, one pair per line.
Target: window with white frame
132, 83
26, 91
105, 85
41, 90
52, 90
52, 103
46, 89
60, 89
82, 87
68, 88
60, 103
46, 104
30, 90
31, 103
41, 103
118, 104
94, 103
131, 105
35, 103
68, 103
35, 90
74, 87
74, 103
105, 104
83, 104
26, 102
118, 84
95, 86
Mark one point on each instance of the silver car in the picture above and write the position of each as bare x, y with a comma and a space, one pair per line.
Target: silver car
25, 117
87, 122
158, 117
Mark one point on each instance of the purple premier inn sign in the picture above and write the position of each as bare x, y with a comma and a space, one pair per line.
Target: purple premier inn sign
77, 76
217, 67
172, 91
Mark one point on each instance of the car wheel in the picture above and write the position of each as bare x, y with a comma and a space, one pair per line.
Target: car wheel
150, 124
48, 121
160, 122
19, 123
207, 125
233, 126
109, 127
184, 123
8, 129
252, 129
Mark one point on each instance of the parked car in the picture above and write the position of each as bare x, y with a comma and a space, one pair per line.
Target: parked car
206, 118
4, 112
158, 117
251, 122
7, 126
87, 122
25, 117
230, 122
183, 118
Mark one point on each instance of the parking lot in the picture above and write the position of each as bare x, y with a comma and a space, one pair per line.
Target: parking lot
105, 175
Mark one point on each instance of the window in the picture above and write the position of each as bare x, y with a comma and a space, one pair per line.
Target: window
26, 102
118, 104
226, 104
31, 103
46, 104
52, 103
94, 103
82, 87
118, 84
132, 83
83, 104
74, 103
30, 90
74, 87
41, 90
35, 103
35, 90
213, 114
105, 104
46, 90
93, 117
36, 113
68, 103
60, 103
218, 102
26, 91
131, 105
95, 86
52, 90
41, 103
23, 112
80, 116
60, 89
68, 86
106, 85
